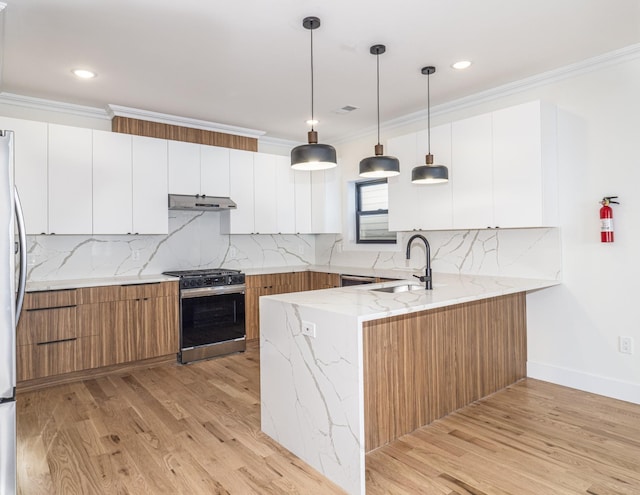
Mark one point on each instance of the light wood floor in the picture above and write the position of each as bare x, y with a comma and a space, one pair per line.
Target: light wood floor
196, 430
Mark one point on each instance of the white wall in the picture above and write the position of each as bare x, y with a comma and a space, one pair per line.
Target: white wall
573, 329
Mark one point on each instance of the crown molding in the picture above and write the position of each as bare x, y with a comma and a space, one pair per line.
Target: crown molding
599, 62
163, 118
53, 106
275, 141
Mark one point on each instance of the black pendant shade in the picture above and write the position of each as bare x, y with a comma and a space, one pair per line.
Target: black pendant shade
429, 173
313, 156
379, 165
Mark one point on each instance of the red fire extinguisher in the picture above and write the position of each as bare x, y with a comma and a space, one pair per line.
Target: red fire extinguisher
606, 218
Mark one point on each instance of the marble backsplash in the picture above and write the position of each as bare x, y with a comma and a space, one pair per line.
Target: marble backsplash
526, 253
194, 241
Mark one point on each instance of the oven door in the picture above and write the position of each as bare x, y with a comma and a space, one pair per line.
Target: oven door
212, 322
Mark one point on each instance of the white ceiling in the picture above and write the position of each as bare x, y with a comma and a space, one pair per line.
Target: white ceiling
246, 62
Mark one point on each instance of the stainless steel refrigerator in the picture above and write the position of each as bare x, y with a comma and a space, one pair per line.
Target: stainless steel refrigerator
12, 284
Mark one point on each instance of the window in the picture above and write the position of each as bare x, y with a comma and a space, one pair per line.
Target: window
372, 213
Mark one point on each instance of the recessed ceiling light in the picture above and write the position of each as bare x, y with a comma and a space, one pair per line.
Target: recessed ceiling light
462, 64
84, 73
312, 122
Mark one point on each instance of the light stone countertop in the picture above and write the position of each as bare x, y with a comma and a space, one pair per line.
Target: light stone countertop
95, 282
448, 289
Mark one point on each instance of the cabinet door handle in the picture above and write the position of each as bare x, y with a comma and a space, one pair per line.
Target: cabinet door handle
52, 307
57, 341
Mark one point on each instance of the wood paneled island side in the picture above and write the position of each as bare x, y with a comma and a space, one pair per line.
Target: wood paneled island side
372, 366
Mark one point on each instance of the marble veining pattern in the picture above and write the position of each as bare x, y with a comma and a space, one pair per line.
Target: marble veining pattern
310, 401
194, 241
527, 253
312, 388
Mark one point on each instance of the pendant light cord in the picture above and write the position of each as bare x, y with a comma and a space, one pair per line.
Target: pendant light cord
378, 91
312, 119
428, 114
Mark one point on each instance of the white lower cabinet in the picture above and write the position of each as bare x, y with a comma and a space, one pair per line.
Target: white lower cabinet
70, 180
30, 159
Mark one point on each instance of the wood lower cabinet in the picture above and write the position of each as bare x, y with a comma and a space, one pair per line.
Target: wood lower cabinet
134, 322
48, 339
266, 285
422, 366
280, 283
321, 280
79, 329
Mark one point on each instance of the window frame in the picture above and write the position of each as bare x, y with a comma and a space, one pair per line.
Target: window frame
358, 186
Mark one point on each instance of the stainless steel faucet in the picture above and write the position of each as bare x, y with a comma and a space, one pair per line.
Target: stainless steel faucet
427, 271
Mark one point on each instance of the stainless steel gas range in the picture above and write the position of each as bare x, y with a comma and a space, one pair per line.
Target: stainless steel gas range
212, 313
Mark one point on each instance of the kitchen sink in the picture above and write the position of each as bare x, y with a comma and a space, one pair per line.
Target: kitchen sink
400, 288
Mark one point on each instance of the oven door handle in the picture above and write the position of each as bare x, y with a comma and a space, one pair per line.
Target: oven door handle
212, 291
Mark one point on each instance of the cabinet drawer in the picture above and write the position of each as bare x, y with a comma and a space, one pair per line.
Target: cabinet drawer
47, 324
38, 361
50, 299
124, 292
141, 291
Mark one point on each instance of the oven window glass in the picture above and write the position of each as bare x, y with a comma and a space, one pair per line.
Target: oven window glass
212, 319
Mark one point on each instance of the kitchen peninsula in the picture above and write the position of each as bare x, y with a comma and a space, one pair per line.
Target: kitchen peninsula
346, 370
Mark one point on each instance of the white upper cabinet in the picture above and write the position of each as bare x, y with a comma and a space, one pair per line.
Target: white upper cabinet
435, 200
70, 180
184, 168
241, 186
265, 193
214, 171
325, 201
404, 213
420, 206
286, 196
197, 169
502, 173
302, 180
30, 145
524, 166
472, 178
149, 178
112, 183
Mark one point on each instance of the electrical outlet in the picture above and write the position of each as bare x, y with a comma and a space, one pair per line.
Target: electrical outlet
625, 345
135, 255
232, 252
309, 329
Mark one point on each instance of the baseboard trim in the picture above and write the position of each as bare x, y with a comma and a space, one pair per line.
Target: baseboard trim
587, 382
78, 376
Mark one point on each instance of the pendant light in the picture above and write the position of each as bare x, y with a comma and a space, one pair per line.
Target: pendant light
429, 173
379, 165
312, 156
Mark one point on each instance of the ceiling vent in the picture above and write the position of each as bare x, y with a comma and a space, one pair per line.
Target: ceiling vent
346, 109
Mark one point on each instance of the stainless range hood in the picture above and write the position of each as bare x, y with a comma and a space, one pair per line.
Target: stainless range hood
200, 203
